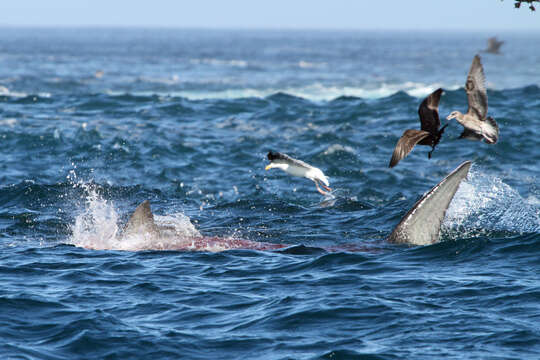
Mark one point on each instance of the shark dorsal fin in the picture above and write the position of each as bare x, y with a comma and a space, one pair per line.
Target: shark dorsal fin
141, 221
421, 224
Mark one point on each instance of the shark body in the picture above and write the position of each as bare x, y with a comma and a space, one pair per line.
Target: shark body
141, 223
420, 225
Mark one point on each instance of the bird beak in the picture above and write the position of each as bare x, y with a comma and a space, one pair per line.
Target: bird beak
268, 167
449, 117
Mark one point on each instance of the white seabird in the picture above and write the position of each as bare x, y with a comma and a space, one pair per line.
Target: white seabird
298, 168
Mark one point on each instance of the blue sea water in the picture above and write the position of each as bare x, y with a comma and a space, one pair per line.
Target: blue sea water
94, 121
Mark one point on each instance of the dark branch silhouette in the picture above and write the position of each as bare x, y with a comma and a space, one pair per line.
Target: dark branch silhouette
517, 4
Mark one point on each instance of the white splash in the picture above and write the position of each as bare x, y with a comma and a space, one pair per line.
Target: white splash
97, 227
485, 203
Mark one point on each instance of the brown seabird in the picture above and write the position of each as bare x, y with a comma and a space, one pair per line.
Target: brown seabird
493, 46
430, 134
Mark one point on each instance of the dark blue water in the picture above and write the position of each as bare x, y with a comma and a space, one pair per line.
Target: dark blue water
92, 122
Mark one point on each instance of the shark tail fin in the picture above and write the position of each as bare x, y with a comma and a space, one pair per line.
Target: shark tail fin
422, 223
141, 221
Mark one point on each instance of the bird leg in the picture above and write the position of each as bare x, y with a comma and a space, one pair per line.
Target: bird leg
436, 141
319, 189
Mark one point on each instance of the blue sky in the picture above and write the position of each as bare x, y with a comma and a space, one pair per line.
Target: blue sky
276, 14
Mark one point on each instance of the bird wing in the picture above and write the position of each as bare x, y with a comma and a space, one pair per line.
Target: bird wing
490, 131
470, 135
429, 112
494, 44
476, 90
406, 143
284, 158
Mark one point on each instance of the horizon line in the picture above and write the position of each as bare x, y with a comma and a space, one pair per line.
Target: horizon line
247, 28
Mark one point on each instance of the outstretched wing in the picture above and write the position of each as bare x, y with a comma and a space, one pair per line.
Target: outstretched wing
406, 143
476, 90
494, 44
470, 135
429, 112
490, 131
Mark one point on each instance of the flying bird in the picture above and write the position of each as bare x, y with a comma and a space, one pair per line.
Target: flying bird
298, 168
493, 46
476, 125
429, 135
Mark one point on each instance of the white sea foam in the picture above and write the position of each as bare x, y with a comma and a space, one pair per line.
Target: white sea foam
4, 91
172, 80
320, 92
220, 62
315, 92
339, 148
485, 203
311, 65
11, 122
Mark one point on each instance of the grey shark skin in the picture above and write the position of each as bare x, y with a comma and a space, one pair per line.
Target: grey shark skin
421, 224
142, 221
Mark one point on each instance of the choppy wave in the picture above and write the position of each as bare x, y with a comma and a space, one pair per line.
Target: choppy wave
4, 91
313, 92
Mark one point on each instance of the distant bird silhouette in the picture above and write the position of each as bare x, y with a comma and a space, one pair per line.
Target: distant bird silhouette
430, 134
493, 46
476, 125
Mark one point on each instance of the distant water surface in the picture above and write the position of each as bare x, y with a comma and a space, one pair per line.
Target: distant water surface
94, 121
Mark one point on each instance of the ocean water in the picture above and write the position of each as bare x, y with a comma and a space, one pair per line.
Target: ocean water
95, 121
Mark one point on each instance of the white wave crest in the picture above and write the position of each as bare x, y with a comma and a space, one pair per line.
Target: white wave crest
339, 148
220, 62
485, 203
4, 91
314, 92
311, 65
11, 122
172, 80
